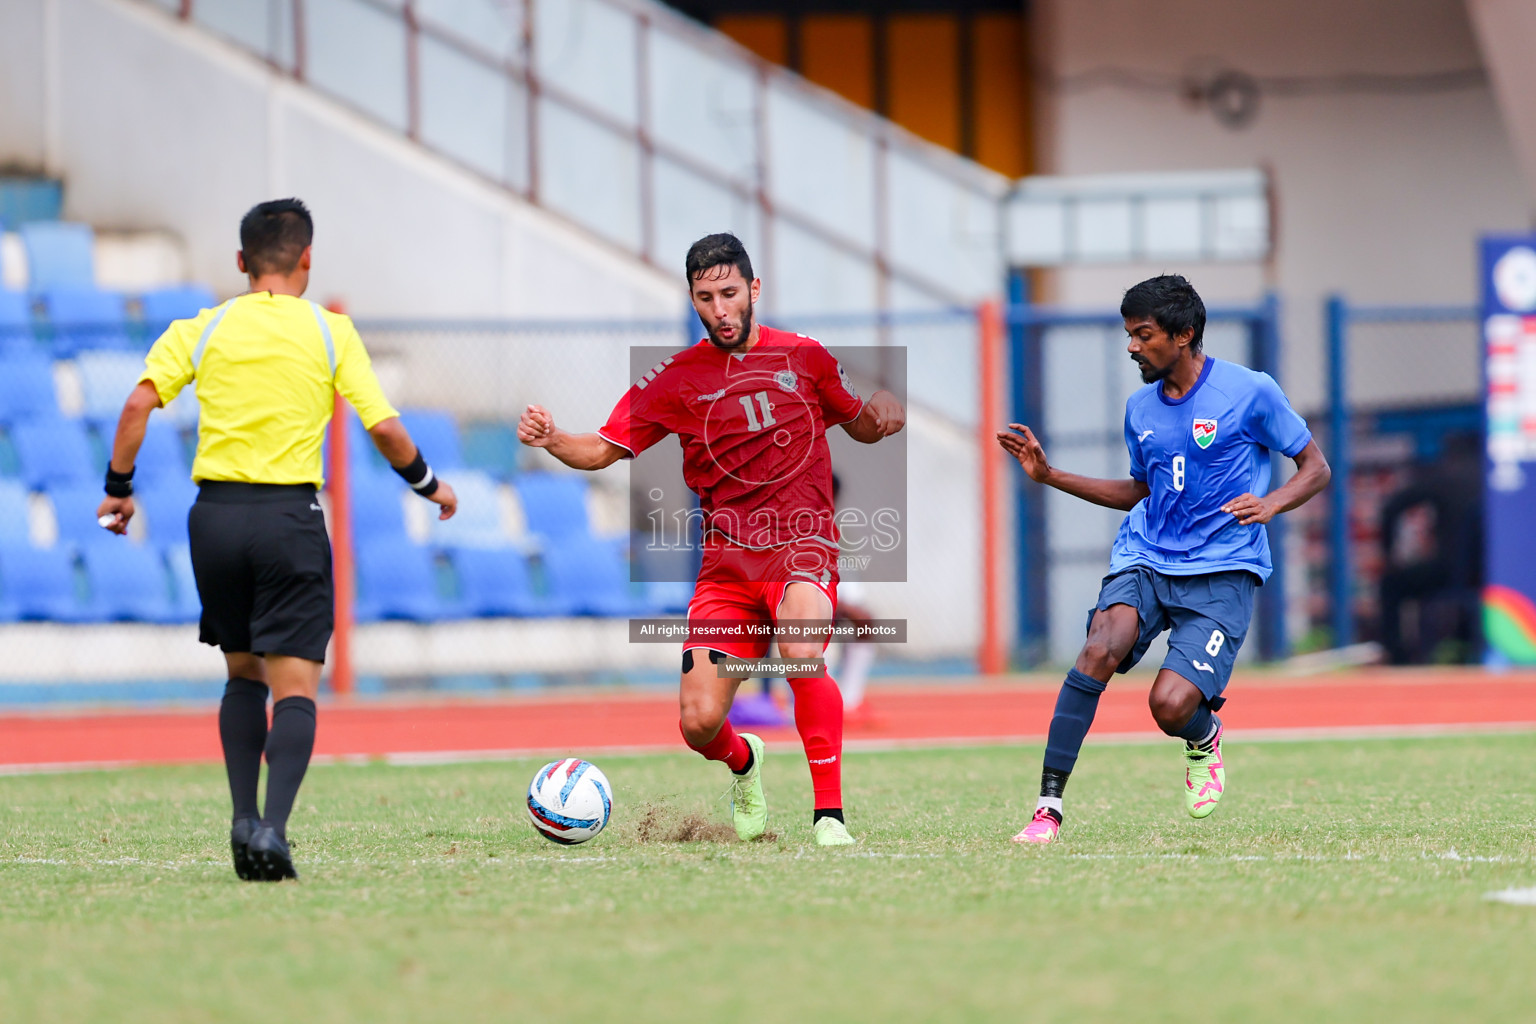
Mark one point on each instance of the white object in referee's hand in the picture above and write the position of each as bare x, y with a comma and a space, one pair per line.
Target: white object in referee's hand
106, 522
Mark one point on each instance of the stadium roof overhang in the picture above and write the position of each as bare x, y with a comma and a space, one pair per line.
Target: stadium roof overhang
1210, 216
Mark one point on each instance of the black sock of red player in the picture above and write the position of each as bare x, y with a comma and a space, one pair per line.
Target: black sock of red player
819, 720
243, 734
751, 760
289, 746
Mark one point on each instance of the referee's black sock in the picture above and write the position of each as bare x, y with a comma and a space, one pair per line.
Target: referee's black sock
243, 732
289, 745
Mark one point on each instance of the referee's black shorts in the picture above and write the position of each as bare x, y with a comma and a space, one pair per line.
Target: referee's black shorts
262, 560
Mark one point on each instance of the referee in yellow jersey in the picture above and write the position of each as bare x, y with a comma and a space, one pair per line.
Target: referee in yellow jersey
267, 365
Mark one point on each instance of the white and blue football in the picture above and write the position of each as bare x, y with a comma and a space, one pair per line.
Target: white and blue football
569, 801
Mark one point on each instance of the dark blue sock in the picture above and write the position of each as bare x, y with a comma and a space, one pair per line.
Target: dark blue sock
1075, 705
1201, 726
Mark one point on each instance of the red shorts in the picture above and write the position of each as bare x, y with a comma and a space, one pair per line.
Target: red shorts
745, 587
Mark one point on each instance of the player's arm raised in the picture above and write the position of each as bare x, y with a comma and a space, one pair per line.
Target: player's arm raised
536, 428
1312, 475
1019, 441
881, 416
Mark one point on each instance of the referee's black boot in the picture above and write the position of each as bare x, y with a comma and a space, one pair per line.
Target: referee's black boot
270, 856
239, 845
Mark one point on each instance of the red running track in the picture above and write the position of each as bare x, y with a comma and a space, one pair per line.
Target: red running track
1007, 709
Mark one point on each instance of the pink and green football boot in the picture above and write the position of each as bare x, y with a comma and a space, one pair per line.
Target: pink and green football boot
1042, 828
1205, 777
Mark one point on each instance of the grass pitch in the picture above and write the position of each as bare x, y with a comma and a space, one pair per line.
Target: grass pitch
1338, 881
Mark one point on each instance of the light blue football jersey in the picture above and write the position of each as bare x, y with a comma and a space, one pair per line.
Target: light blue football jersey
1196, 454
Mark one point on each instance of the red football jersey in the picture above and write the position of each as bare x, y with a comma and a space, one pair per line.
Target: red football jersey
753, 429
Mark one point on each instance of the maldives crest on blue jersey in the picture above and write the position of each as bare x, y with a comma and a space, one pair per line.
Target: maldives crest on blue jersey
1205, 432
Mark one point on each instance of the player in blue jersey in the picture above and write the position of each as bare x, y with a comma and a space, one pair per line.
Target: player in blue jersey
1192, 549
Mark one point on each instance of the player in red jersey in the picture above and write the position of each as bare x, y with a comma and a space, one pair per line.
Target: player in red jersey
751, 406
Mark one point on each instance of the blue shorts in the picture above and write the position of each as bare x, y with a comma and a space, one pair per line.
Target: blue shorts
1208, 615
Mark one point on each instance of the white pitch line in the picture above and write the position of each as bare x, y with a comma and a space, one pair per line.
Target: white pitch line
1515, 897
1451, 854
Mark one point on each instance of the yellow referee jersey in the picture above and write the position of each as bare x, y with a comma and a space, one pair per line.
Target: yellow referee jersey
267, 369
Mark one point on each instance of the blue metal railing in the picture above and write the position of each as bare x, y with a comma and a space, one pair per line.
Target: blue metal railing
1339, 316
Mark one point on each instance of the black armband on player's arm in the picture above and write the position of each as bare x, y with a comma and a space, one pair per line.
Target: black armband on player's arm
119, 485
419, 475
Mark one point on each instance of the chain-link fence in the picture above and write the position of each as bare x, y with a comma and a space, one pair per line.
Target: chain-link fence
1404, 425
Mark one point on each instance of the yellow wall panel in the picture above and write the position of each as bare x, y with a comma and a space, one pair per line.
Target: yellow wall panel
923, 65
837, 51
1000, 95
924, 78
763, 34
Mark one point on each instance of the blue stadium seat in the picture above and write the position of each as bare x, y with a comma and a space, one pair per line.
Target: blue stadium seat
478, 521
54, 452
494, 582
492, 448
554, 504
16, 334
128, 583
86, 318
669, 597
59, 255
668, 575
164, 505
183, 409
590, 577
396, 580
377, 513
106, 378
178, 302
361, 451
74, 510
437, 435
362, 456
15, 516
24, 198
39, 583
162, 457
184, 599
26, 388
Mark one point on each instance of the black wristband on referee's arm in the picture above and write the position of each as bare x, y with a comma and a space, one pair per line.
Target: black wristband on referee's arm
119, 485
419, 475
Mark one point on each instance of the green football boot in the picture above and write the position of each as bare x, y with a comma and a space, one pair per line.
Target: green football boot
831, 832
749, 808
1205, 776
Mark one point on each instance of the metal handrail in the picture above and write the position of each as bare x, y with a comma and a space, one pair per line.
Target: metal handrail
886, 138
1339, 315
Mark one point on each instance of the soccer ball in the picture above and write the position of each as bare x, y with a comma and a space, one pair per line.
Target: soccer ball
569, 801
